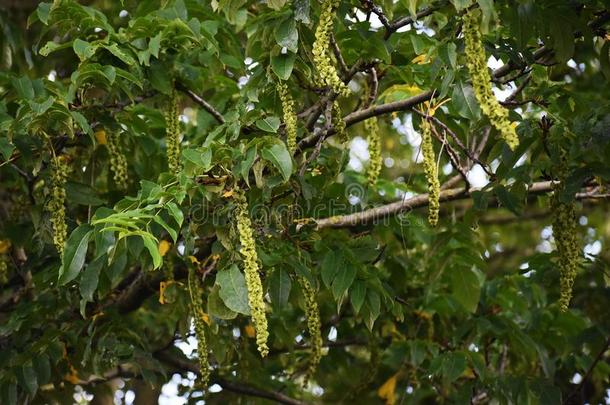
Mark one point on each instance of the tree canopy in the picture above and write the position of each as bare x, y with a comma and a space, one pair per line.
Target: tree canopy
307, 201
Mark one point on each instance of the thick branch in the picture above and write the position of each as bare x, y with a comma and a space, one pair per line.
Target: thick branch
373, 214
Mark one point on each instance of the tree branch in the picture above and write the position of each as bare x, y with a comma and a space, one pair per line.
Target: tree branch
373, 214
184, 364
401, 22
202, 103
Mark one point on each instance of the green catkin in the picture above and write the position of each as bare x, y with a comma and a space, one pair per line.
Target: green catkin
371, 127
476, 60
56, 205
339, 122
118, 161
431, 172
565, 235
321, 54
172, 133
290, 117
312, 313
3, 269
253, 281
198, 314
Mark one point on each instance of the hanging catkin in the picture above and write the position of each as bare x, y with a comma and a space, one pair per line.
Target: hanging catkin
290, 117
476, 61
312, 314
196, 291
431, 172
565, 235
371, 127
56, 205
253, 281
321, 53
118, 161
172, 133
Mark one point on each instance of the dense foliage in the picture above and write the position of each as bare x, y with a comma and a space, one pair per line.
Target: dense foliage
237, 192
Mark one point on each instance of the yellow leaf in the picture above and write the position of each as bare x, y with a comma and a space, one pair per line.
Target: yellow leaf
431, 109
388, 390
193, 260
399, 92
100, 136
420, 60
423, 314
206, 318
97, 315
468, 373
72, 376
164, 247
249, 330
5, 245
228, 194
162, 286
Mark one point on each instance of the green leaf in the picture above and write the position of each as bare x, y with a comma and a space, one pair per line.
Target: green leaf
357, 296
276, 4
24, 87
464, 101
279, 156
509, 200
153, 250
372, 308
6, 148
43, 12
74, 253
453, 365
216, 306
466, 288
343, 280
155, 45
83, 49
286, 35
41, 108
247, 163
282, 65
82, 123
330, 266
233, 289
29, 380
269, 124
90, 277
171, 231
42, 366
175, 212
279, 287
83, 194
201, 157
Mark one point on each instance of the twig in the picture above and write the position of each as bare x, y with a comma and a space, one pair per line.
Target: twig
375, 9
204, 104
374, 87
401, 22
597, 359
337, 52
366, 113
459, 143
453, 155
